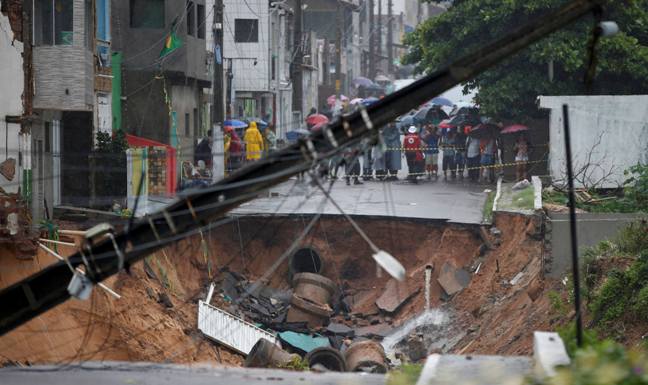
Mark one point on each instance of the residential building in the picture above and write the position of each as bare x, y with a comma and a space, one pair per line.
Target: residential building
15, 150
330, 20
163, 93
246, 48
70, 100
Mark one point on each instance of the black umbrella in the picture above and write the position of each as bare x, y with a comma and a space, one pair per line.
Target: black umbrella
483, 131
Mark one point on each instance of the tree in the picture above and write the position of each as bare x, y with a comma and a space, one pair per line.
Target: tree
510, 89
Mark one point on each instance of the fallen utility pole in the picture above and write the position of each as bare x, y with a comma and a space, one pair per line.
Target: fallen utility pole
36, 294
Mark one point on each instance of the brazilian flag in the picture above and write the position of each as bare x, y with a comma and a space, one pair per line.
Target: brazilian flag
171, 43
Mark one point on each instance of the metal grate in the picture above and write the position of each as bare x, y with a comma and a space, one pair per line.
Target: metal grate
230, 330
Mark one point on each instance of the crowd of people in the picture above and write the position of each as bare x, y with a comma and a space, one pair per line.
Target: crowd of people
428, 149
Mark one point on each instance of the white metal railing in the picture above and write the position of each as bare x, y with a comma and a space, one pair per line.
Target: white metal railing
229, 329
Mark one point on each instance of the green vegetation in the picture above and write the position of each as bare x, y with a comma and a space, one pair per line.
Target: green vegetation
296, 363
524, 199
488, 207
509, 89
619, 293
407, 374
601, 363
632, 198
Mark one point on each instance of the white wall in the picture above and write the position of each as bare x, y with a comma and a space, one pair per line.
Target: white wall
247, 75
621, 123
11, 81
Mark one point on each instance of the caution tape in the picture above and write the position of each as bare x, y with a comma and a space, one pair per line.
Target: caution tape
494, 166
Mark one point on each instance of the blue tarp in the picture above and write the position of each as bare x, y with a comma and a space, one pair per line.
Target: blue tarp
304, 342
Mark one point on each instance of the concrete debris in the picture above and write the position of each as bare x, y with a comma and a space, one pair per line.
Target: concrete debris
395, 295
495, 231
374, 331
265, 354
8, 169
366, 356
521, 185
340, 329
517, 278
303, 310
453, 280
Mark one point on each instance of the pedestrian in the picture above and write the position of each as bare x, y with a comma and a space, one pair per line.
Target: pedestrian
270, 139
378, 157
253, 142
367, 170
233, 149
313, 111
473, 155
521, 149
203, 150
488, 150
448, 148
431, 139
391, 136
413, 153
460, 151
352, 166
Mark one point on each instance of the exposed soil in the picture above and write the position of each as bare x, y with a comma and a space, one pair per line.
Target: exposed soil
490, 316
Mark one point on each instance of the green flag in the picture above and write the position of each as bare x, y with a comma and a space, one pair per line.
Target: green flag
171, 43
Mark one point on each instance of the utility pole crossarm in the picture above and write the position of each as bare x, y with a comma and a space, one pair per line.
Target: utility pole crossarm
34, 295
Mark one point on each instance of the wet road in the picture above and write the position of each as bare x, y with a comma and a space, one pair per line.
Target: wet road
157, 374
454, 201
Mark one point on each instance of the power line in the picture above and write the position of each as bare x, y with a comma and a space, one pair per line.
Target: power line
48, 288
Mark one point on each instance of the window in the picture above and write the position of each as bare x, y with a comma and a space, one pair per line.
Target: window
187, 128
53, 22
147, 13
246, 30
89, 24
191, 26
48, 145
201, 21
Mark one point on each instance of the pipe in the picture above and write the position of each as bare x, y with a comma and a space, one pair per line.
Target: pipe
305, 260
328, 357
265, 354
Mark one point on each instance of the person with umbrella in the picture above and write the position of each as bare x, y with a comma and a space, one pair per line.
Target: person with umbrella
460, 150
521, 149
448, 143
253, 142
412, 146
473, 155
233, 149
431, 139
488, 147
391, 136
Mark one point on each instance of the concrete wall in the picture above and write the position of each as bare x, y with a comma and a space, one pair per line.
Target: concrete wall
619, 122
64, 74
11, 81
591, 229
183, 100
141, 46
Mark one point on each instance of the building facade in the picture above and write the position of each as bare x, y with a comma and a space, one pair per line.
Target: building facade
163, 90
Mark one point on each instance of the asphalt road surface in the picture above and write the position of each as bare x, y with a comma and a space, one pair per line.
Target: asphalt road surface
454, 201
156, 374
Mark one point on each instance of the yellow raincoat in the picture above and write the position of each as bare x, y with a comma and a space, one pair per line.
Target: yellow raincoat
253, 142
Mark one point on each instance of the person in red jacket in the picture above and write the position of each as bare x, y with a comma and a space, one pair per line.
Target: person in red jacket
413, 153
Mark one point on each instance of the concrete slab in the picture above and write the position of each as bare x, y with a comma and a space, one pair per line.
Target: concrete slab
457, 202
119, 373
396, 293
483, 370
453, 280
